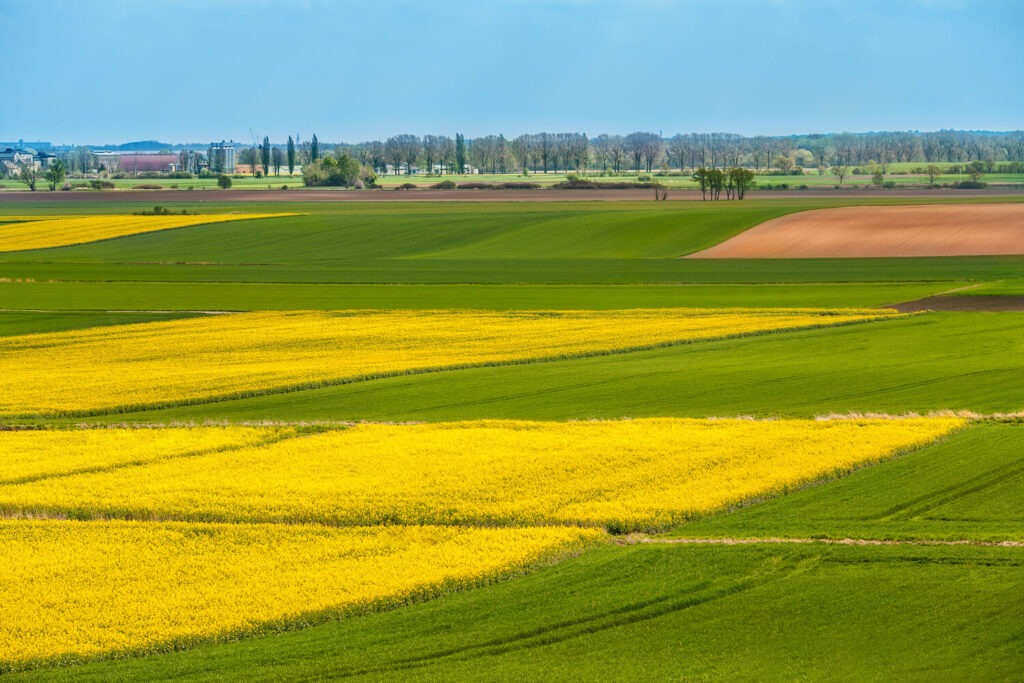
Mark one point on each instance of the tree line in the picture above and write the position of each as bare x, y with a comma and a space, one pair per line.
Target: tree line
646, 151
636, 152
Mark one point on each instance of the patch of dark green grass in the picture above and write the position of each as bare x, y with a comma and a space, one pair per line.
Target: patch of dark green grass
30, 322
271, 296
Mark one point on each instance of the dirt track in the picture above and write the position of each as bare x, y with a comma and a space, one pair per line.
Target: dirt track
873, 231
161, 197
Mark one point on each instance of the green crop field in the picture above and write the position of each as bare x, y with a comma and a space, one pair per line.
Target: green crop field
906, 569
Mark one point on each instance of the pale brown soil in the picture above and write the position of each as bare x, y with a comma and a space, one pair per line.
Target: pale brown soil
875, 231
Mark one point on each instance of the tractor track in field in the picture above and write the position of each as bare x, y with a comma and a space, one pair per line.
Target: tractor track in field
635, 539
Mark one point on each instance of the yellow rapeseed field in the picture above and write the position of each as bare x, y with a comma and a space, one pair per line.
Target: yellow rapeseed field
163, 363
41, 232
624, 475
34, 454
73, 590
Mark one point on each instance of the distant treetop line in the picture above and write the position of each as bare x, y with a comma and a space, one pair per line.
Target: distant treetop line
644, 151
637, 151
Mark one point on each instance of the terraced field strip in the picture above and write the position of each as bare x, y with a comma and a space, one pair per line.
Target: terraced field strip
41, 232
73, 590
121, 368
624, 475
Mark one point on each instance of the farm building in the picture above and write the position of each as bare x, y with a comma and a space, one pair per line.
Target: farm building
221, 158
136, 162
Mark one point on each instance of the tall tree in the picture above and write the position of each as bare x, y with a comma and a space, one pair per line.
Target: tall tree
314, 149
28, 173
460, 153
265, 155
276, 158
55, 173
291, 155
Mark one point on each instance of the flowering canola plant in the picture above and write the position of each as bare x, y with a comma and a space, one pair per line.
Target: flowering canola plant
73, 590
146, 365
34, 454
41, 232
624, 475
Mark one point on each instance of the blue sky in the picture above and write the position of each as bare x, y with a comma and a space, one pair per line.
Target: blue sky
111, 71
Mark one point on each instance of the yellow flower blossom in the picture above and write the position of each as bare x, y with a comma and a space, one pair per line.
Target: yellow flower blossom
623, 475
41, 232
76, 590
112, 368
34, 454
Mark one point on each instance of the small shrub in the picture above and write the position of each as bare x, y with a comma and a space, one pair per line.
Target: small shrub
518, 186
406, 186
444, 185
284, 187
146, 187
101, 185
224, 181
889, 184
969, 185
803, 187
475, 186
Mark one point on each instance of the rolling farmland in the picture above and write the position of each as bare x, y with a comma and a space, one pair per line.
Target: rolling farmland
502, 440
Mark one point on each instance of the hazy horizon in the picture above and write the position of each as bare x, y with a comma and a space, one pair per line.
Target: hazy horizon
186, 72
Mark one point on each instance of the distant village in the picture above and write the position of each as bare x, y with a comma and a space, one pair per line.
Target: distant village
218, 158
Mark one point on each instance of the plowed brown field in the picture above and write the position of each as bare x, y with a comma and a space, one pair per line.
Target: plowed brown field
866, 231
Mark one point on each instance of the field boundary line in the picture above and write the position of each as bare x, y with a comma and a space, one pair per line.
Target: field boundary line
636, 539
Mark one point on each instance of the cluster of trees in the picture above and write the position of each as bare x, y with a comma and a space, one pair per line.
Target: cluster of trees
734, 181
339, 170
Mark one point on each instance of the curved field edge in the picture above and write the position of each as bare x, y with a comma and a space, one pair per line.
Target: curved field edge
882, 316
577, 474
167, 223
880, 232
468, 230
613, 588
540, 548
964, 487
623, 609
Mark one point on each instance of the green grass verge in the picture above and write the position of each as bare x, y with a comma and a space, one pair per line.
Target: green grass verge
968, 486
927, 362
144, 296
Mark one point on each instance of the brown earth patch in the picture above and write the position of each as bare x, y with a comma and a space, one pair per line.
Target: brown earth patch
878, 231
991, 302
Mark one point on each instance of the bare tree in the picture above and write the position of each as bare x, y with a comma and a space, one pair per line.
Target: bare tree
28, 173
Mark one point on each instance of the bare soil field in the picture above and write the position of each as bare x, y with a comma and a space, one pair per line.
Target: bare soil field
242, 196
983, 303
877, 231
